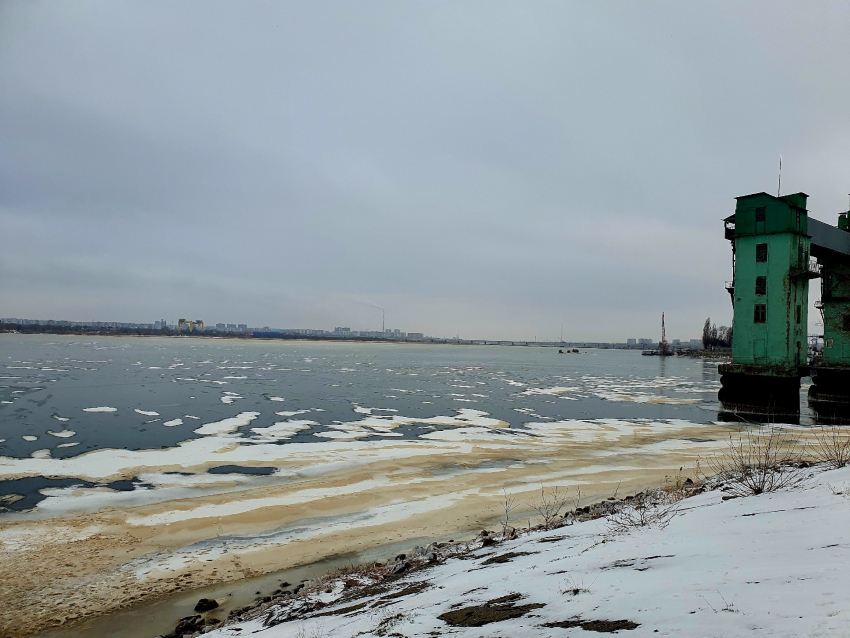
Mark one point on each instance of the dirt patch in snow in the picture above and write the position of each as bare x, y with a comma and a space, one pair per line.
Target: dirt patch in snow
504, 558
415, 588
342, 610
492, 611
552, 539
601, 626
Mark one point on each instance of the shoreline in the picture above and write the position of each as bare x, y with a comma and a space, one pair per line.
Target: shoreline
463, 517
671, 576
164, 614
509, 343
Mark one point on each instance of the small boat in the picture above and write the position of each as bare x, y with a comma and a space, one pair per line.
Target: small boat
662, 350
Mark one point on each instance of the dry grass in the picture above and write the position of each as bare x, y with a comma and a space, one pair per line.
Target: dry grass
509, 506
832, 446
652, 508
761, 460
549, 506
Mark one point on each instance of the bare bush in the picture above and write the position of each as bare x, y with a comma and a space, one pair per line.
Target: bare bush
573, 587
509, 505
549, 506
832, 446
761, 460
844, 490
679, 486
317, 631
653, 508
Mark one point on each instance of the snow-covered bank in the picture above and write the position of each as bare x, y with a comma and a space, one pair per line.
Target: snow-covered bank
773, 564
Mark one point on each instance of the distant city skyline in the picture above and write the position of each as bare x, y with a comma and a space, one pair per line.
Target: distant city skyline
338, 331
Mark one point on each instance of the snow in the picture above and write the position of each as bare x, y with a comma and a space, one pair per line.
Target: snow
773, 565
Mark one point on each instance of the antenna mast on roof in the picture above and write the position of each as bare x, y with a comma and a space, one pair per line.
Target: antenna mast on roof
779, 187
383, 323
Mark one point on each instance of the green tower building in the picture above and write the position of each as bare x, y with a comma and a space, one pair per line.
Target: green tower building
829, 393
835, 304
772, 266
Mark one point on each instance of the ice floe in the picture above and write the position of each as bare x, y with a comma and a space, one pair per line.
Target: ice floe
102, 408
230, 397
64, 434
145, 412
282, 430
228, 425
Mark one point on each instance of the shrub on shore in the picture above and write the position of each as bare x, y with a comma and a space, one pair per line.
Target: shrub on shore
761, 460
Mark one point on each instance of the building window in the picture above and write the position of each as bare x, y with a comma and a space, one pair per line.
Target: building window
761, 252
760, 314
846, 322
799, 313
760, 214
798, 220
761, 286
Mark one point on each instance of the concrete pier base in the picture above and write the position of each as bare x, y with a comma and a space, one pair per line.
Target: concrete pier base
770, 396
829, 394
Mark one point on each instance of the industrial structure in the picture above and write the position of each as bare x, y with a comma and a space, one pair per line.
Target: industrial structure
192, 325
776, 251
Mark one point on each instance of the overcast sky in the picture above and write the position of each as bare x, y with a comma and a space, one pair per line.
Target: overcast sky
487, 169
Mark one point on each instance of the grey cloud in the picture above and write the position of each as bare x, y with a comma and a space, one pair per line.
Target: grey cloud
484, 168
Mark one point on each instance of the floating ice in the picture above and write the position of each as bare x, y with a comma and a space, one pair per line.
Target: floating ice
230, 397
68, 444
282, 430
276, 399
64, 434
550, 391
292, 412
146, 412
228, 425
100, 409
173, 422
29, 437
